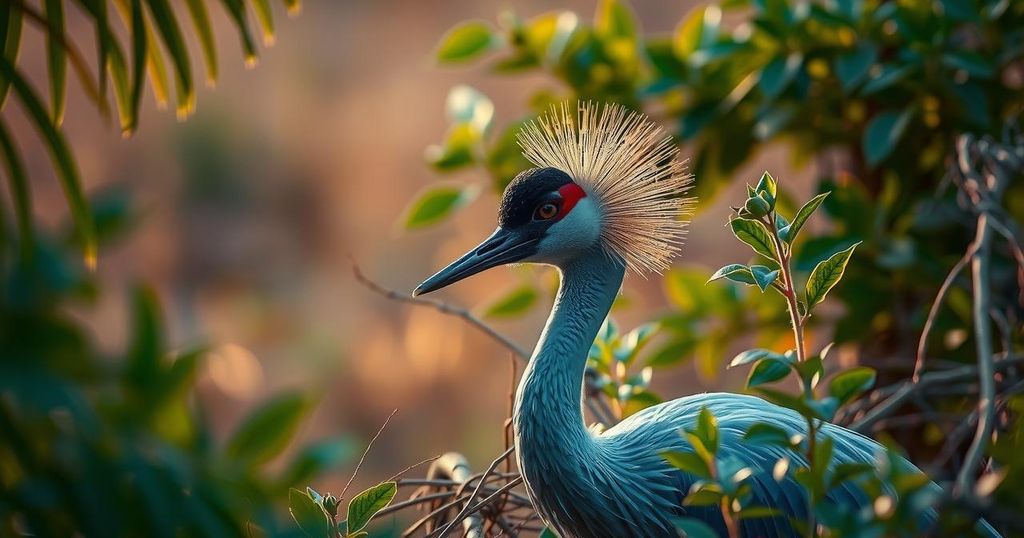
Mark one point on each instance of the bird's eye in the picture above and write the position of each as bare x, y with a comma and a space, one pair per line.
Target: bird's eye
545, 211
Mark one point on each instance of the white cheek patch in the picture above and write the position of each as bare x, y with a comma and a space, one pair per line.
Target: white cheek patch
576, 232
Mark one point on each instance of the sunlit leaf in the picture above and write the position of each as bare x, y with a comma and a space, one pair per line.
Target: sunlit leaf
266, 19
789, 233
688, 462
435, 203
614, 19
757, 354
465, 42
767, 371
516, 302
754, 234
754, 512
64, 162
309, 516
467, 105
826, 275
698, 30
735, 272
365, 505
236, 8
201, 21
848, 384
167, 26
266, 432
56, 59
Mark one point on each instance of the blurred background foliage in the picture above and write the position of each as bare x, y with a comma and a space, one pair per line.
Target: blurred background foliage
108, 407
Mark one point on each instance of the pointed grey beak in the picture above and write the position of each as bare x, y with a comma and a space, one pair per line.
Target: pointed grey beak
503, 246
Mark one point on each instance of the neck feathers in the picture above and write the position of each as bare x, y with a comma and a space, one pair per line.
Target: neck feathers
556, 452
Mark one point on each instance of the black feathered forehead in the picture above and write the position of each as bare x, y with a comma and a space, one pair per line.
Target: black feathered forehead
524, 193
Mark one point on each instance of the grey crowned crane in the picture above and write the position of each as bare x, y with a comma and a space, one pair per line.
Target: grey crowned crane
607, 197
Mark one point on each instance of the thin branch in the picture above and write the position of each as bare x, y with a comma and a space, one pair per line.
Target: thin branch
490, 498
476, 491
440, 306
365, 452
411, 467
922, 343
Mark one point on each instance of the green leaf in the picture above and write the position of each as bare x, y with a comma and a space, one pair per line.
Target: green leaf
688, 462
707, 429
614, 19
236, 8
459, 149
764, 276
826, 275
266, 19
694, 528
890, 75
789, 233
755, 354
777, 75
883, 133
516, 302
465, 41
167, 26
847, 385
364, 506
787, 400
767, 184
266, 432
435, 203
308, 515
698, 31
157, 68
810, 370
21, 196
140, 45
767, 371
853, 67
704, 496
63, 160
118, 66
735, 272
468, 106
766, 434
973, 63
207, 43
754, 512
147, 341
56, 59
754, 234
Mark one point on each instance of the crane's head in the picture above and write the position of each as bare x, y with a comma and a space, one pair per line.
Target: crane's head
606, 178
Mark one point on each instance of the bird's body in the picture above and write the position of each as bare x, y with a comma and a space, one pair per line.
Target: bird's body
615, 483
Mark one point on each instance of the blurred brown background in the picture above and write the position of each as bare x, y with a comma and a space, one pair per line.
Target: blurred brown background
253, 207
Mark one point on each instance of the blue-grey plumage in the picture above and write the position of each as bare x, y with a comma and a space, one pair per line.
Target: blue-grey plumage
605, 199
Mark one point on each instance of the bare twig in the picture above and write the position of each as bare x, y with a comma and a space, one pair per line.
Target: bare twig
922, 343
365, 452
490, 498
442, 307
411, 467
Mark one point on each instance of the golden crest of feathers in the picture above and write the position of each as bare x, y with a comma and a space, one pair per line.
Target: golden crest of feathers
627, 163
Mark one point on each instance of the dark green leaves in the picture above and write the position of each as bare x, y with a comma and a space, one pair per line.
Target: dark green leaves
754, 234
852, 68
689, 462
465, 42
826, 275
308, 514
767, 371
436, 203
777, 75
764, 276
694, 528
848, 384
883, 133
788, 233
266, 432
766, 434
56, 59
365, 505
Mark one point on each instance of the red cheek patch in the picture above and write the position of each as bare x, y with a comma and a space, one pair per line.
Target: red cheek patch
571, 193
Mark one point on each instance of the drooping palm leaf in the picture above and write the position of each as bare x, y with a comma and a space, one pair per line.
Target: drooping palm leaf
67, 170
266, 18
56, 56
201, 20
20, 194
236, 8
170, 33
10, 39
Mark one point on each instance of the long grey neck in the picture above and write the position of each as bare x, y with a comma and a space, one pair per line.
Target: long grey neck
548, 415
